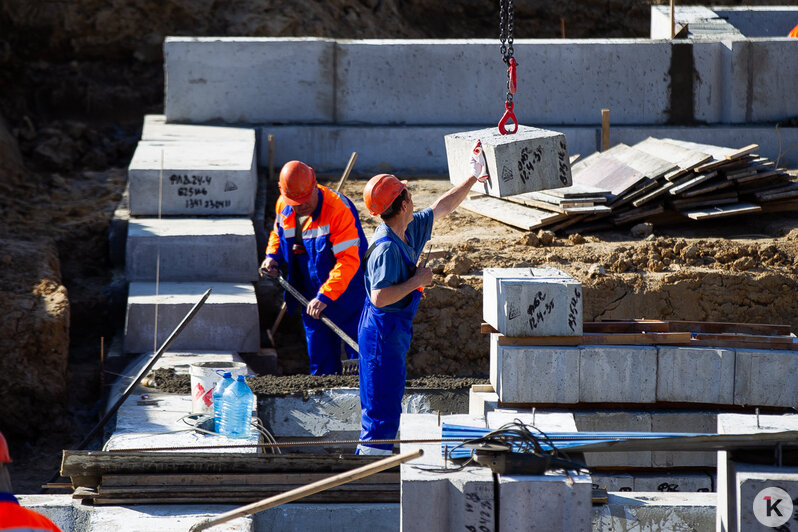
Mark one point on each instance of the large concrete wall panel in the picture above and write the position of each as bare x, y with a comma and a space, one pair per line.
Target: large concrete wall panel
709, 89
249, 80
559, 81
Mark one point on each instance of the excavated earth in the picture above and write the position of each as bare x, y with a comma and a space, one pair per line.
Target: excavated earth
76, 78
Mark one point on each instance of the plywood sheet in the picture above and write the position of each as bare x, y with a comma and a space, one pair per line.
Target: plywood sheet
684, 158
649, 165
520, 216
610, 174
722, 211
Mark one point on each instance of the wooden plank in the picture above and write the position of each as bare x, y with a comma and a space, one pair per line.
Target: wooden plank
543, 195
642, 188
98, 463
754, 338
759, 175
691, 182
718, 153
654, 194
258, 490
787, 191
637, 214
684, 158
751, 148
742, 344
333, 495
712, 186
650, 166
482, 388
229, 479
487, 328
608, 173
641, 338
577, 191
520, 216
595, 209
722, 198
709, 327
721, 212
523, 199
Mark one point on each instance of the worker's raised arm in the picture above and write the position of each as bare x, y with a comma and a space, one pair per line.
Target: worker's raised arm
455, 196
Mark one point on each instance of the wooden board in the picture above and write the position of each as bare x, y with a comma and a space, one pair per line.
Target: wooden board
608, 173
229, 479
719, 153
709, 327
691, 182
650, 166
576, 191
723, 198
711, 186
751, 148
787, 191
543, 195
684, 158
642, 338
721, 212
653, 194
520, 216
637, 214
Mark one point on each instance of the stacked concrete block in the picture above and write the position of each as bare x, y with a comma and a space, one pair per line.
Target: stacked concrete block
703, 422
545, 502
191, 249
534, 374
695, 375
193, 178
531, 159
615, 421
227, 321
482, 401
532, 302
766, 378
617, 374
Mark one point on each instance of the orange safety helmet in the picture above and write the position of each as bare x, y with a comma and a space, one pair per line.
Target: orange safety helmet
5, 456
380, 192
297, 182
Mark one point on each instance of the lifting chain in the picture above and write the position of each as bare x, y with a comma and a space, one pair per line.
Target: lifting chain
506, 38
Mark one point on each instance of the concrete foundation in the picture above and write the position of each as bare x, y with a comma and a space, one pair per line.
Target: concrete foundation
193, 178
191, 249
532, 302
531, 159
227, 321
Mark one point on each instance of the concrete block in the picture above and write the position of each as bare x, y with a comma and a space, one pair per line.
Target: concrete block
669, 482
227, 321
534, 374
158, 518
547, 421
249, 80
753, 424
57, 508
480, 403
531, 159
296, 517
193, 178
617, 374
613, 482
157, 129
679, 421
766, 378
545, 502
695, 375
191, 249
532, 302
656, 511
615, 421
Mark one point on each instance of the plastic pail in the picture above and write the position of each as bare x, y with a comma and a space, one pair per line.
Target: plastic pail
204, 377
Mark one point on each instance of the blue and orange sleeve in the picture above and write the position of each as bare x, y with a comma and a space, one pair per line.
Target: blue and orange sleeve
345, 242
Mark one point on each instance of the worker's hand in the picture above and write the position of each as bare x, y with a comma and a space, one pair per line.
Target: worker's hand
423, 276
479, 168
315, 307
269, 266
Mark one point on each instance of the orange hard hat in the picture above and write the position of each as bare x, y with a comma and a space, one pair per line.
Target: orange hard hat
297, 182
5, 456
380, 192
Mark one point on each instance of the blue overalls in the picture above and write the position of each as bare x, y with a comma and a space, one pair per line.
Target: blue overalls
383, 340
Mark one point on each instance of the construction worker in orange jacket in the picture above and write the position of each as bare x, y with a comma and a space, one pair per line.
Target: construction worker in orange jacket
12, 515
318, 240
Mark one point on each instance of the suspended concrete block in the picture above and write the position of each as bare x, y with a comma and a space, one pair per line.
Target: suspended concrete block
529, 160
191, 249
532, 302
193, 178
227, 321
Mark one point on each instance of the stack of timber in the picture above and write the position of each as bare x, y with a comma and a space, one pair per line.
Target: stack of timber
661, 180
665, 332
215, 478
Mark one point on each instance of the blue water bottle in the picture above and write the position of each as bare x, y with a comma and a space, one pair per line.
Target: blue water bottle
218, 390
237, 403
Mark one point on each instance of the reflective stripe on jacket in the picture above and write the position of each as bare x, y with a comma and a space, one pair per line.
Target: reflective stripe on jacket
334, 241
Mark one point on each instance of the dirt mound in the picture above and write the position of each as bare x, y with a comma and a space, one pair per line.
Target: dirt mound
33, 366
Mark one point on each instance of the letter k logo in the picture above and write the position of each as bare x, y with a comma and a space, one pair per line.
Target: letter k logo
772, 506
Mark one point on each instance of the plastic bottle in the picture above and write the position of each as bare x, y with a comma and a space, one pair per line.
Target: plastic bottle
218, 390
237, 402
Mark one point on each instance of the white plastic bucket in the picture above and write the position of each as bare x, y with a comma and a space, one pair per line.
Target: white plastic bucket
204, 377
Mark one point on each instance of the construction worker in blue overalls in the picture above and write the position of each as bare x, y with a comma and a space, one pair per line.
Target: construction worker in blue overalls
394, 284
318, 238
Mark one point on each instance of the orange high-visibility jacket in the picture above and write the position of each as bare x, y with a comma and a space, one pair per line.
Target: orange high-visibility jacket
794, 32
334, 242
15, 517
